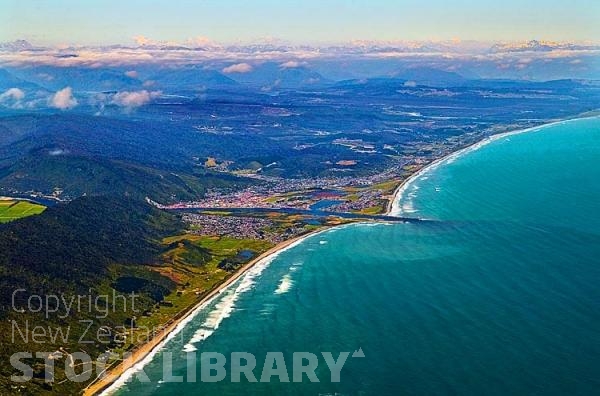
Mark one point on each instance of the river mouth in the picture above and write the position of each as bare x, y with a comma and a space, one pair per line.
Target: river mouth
497, 297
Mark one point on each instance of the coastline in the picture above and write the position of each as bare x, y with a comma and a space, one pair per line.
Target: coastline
147, 350
393, 207
144, 352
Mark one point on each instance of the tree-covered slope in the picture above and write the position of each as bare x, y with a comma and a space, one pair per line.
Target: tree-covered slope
72, 244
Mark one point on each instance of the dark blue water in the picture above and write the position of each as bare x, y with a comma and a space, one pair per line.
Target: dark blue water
501, 296
324, 204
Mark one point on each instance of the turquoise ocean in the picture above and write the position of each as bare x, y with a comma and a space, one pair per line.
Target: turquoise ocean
499, 294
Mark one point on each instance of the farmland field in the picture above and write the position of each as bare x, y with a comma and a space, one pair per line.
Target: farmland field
11, 210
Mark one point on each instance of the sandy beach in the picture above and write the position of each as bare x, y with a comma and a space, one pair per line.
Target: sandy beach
393, 209
142, 351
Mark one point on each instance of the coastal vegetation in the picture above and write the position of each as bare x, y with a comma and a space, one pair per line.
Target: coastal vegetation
101, 246
171, 199
68, 250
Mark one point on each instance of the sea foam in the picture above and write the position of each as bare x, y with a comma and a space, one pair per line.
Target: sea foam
285, 284
400, 206
226, 305
215, 317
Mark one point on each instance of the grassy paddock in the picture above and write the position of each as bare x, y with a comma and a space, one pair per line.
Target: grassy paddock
12, 210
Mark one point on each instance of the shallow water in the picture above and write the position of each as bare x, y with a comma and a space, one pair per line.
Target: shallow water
500, 296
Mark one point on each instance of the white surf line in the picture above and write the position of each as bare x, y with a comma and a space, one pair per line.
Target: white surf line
264, 262
224, 308
395, 209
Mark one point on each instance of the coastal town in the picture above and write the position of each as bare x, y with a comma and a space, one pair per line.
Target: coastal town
242, 227
359, 194
299, 198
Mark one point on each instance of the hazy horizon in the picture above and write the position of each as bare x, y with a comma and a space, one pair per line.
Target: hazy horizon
68, 22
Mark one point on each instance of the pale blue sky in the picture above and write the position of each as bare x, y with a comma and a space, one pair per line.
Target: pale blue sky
308, 21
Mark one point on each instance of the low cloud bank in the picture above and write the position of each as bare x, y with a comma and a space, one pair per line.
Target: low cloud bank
14, 94
133, 99
63, 99
238, 68
12, 98
291, 65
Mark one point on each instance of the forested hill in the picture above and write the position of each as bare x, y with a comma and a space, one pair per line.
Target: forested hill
71, 245
76, 249
86, 155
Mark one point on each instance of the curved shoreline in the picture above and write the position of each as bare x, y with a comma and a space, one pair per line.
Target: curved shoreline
117, 376
393, 205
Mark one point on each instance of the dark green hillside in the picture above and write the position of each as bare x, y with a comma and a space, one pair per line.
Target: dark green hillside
95, 156
90, 246
154, 143
78, 175
75, 242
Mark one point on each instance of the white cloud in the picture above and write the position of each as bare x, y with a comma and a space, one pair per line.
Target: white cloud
56, 152
290, 65
148, 54
153, 52
14, 94
142, 40
131, 73
63, 99
238, 68
133, 99
200, 41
